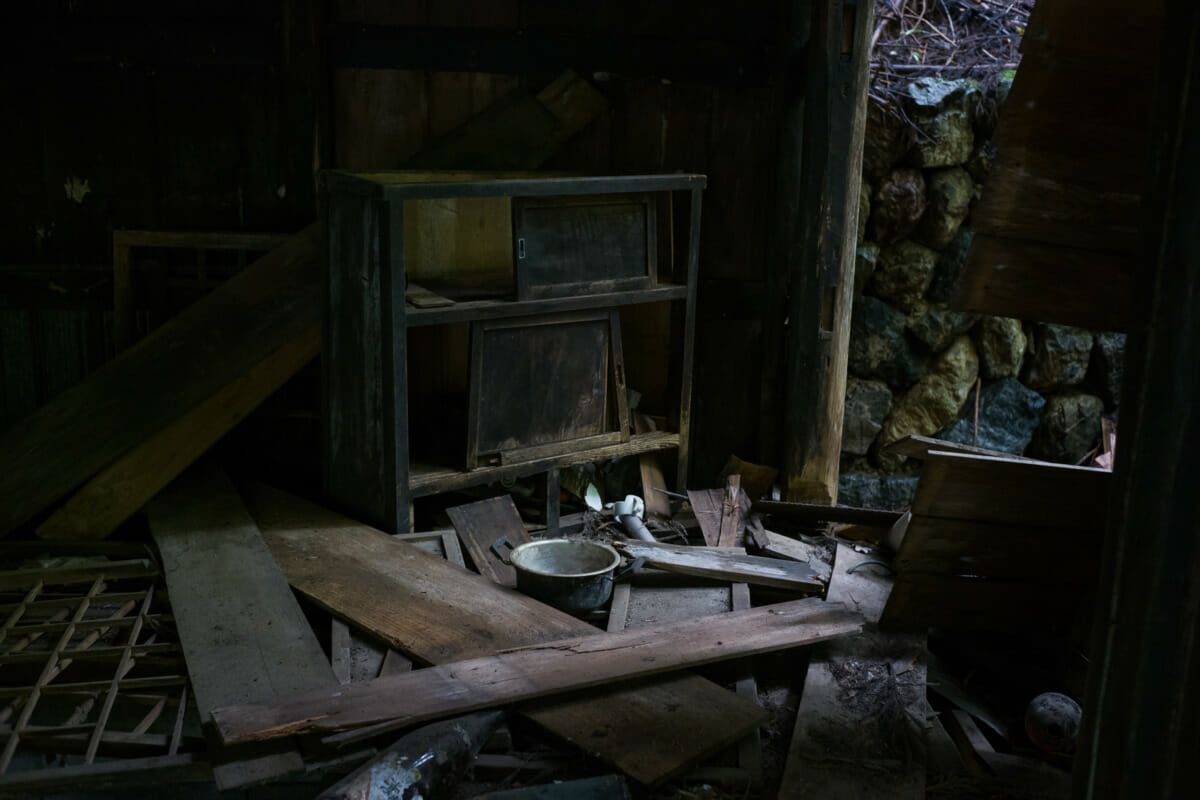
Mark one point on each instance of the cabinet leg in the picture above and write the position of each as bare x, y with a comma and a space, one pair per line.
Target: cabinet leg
552, 501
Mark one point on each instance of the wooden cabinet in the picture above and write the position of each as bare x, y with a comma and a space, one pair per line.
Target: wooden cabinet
483, 327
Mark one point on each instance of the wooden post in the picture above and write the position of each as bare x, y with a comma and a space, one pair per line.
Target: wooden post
822, 283
1140, 725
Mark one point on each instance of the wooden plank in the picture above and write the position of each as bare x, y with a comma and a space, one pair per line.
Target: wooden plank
439, 613
535, 671
1013, 492
816, 512
482, 524
1031, 280
144, 390
841, 746
1012, 552
657, 503
735, 507
918, 447
421, 297
707, 563
822, 278
118, 491
243, 635
427, 480
519, 131
707, 505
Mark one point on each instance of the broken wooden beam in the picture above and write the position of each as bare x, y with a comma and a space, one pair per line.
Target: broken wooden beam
707, 562
186, 364
527, 673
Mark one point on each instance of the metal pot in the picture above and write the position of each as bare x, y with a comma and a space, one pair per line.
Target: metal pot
574, 576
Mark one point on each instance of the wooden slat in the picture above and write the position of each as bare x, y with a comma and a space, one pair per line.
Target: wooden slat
708, 563
1012, 492
918, 447
243, 634
118, 491
483, 523
439, 613
734, 510
706, 505
1057, 226
839, 747
535, 671
150, 386
425, 480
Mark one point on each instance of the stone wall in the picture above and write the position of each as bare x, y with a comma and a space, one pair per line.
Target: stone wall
915, 365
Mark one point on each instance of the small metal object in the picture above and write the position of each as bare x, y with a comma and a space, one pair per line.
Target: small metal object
670, 494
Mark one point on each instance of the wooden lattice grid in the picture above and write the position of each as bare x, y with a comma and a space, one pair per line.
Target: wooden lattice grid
90, 672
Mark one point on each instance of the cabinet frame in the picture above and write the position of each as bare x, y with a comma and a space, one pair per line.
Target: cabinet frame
365, 444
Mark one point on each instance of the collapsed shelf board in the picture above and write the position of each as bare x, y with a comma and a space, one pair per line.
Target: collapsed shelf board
472, 237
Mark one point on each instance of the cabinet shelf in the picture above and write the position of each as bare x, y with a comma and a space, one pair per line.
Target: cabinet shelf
427, 479
477, 310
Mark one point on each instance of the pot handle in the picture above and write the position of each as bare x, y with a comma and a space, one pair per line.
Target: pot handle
503, 540
623, 571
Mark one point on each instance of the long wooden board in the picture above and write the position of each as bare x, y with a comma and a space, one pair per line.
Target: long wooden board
243, 635
707, 562
530, 672
154, 383
1002, 490
438, 613
119, 490
839, 747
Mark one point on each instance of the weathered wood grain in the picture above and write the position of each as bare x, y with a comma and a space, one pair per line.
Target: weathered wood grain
180, 366
839, 747
480, 525
722, 565
531, 672
243, 635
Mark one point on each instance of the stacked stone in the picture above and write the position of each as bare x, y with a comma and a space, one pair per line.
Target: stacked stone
914, 363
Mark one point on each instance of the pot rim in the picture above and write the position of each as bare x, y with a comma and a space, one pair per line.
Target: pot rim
530, 545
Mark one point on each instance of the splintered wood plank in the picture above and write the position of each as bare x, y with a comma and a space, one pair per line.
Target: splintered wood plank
706, 505
735, 507
181, 366
530, 672
840, 747
439, 613
1002, 490
723, 565
243, 635
482, 524
916, 446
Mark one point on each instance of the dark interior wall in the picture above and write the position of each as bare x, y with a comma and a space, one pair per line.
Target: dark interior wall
130, 114
210, 116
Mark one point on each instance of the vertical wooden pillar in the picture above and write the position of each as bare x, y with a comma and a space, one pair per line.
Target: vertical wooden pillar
1141, 719
822, 282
